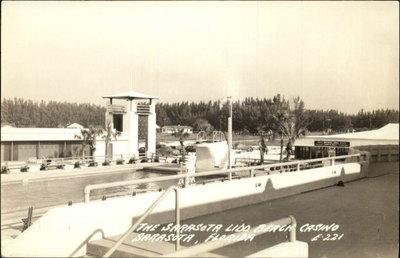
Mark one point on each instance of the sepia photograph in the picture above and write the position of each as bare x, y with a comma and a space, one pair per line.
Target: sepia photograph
200, 129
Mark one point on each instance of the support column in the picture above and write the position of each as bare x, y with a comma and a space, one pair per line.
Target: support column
230, 134
38, 150
12, 151
151, 129
133, 133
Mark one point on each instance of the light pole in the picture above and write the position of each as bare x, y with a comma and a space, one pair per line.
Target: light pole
229, 132
229, 100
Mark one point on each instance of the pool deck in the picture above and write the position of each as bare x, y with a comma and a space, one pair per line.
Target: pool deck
366, 211
69, 173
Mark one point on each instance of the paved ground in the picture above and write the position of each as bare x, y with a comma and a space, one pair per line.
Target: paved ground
366, 211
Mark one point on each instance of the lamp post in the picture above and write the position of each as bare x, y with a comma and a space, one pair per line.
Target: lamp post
230, 133
229, 100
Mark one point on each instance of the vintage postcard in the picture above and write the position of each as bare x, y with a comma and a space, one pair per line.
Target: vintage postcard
199, 129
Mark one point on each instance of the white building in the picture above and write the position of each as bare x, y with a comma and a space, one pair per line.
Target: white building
134, 121
27, 143
319, 145
75, 125
176, 128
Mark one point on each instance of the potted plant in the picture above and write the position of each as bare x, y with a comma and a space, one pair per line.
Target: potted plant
5, 170
92, 164
132, 160
77, 164
24, 168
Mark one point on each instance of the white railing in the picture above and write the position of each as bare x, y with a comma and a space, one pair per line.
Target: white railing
147, 213
186, 177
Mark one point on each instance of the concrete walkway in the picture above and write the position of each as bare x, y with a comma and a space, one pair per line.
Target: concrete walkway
367, 212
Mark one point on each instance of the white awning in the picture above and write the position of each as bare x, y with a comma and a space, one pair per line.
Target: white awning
130, 95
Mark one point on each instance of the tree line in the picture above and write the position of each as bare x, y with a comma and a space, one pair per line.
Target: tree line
250, 115
27, 113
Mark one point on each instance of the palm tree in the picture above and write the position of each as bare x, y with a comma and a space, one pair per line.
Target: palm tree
263, 148
182, 135
292, 123
262, 144
110, 134
88, 137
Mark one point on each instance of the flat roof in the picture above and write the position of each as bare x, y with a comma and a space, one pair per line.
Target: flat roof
130, 95
388, 134
9, 134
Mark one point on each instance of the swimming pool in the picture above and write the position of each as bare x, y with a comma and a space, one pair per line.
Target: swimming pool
40, 194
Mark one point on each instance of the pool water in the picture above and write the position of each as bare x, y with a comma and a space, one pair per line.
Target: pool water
40, 194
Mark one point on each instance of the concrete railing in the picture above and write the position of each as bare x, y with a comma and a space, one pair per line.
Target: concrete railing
382, 153
212, 245
281, 167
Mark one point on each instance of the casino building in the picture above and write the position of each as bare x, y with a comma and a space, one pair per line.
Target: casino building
320, 146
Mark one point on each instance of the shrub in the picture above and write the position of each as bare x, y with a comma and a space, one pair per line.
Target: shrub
132, 160
120, 161
190, 148
61, 166
92, 164
43, 166
144, 160
24, 169
5, 170
106, 163
77, 164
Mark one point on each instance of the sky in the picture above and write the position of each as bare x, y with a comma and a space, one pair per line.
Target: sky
334, 55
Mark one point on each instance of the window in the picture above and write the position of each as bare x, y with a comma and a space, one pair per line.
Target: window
118, 122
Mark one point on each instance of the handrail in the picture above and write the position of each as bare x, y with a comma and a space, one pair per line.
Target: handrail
212, 245
145, 214
187, 176
87, 240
